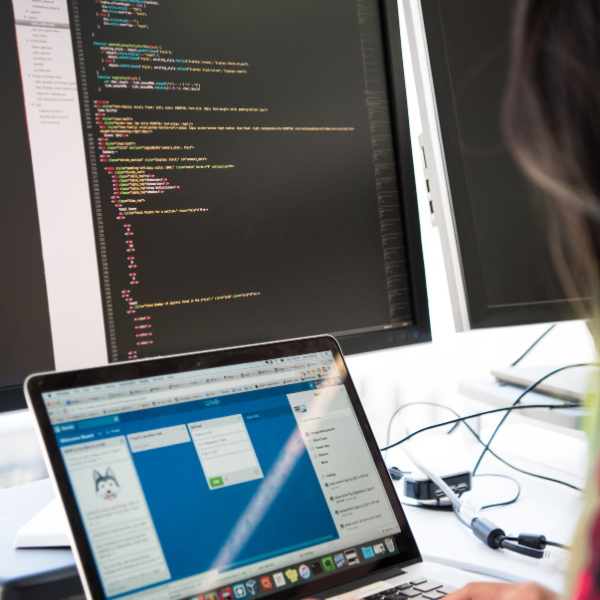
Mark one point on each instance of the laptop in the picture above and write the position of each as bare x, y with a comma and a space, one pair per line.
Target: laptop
572, 385
236, 474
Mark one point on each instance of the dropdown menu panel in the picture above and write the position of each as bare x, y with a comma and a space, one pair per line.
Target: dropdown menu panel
225, 451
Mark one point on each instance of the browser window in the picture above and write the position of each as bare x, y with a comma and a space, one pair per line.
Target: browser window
223, 483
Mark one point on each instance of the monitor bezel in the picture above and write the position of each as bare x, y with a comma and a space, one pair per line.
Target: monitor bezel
36, 385
421, 330
460, 230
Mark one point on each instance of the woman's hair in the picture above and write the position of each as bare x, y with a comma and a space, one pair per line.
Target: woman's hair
552, 124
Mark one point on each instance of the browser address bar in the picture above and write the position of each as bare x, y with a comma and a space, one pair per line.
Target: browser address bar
185, 392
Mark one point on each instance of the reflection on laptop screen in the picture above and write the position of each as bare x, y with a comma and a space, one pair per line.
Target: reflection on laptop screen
223, 483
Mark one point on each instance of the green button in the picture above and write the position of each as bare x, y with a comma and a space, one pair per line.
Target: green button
215, 482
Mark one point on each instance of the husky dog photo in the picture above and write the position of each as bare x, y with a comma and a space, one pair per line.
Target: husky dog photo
107, 486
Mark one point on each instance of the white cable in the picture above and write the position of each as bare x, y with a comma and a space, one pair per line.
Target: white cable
435, 478
556, 558
470, 509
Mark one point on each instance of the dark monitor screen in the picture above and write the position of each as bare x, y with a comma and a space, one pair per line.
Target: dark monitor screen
201, 175
500, 218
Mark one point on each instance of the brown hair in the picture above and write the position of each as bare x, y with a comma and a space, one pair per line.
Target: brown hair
552, 124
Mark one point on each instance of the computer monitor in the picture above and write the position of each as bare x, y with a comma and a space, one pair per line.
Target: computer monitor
190, 175
493, 222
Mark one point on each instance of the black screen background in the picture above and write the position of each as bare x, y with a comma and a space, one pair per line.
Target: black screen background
296, 221
501, 219
25, 333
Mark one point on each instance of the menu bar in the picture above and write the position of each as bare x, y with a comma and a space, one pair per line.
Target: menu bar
111, 399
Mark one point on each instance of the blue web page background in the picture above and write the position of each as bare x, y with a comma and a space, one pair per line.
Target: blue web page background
192, 521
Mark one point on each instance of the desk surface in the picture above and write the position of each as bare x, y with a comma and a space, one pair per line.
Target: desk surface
442, 538
29, 569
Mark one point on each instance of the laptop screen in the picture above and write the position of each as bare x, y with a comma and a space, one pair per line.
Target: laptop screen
223, 483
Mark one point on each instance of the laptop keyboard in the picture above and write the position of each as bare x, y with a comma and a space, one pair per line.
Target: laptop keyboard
420, 588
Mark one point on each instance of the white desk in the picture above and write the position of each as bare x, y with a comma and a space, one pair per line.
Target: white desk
543, 508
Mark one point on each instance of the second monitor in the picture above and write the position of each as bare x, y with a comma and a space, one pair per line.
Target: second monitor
494, 223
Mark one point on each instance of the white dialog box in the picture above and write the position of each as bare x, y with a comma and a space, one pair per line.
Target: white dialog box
225, 451
116, 516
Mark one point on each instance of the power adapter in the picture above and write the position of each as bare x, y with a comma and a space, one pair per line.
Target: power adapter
423, 489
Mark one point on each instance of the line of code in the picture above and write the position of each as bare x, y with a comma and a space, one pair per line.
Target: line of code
242, 171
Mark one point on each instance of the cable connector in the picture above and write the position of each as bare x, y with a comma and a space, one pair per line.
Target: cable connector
556, 558
469, 510
395, 473
532, 540
423, 488
489, 533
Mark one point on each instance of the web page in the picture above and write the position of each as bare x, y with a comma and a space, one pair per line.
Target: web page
223, 483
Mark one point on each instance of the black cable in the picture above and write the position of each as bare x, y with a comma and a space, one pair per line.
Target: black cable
538, 542
538, 476
397, 474
423, 403
460, 518
506, 542
475, 416
439, 507
473, 432
521, 549
514, 364
463, 419
436, 404
518, 400
508, 501
528, 544
533, 345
